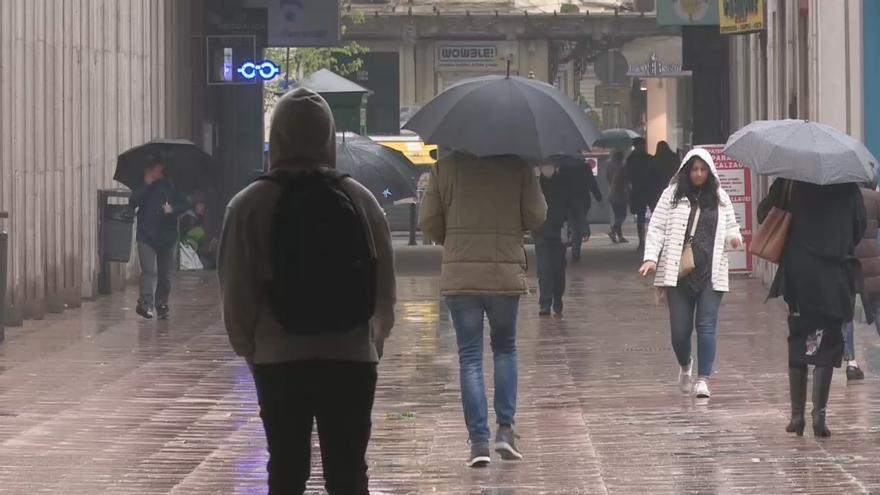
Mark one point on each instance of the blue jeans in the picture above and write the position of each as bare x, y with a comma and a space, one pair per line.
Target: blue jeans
849, 353
686, 311
468, 314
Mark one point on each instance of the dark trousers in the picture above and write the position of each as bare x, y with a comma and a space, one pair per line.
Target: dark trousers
551, 272
619, 217
155, 286
580, 227
339, 395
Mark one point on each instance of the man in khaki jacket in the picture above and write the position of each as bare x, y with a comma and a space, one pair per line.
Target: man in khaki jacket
479, 209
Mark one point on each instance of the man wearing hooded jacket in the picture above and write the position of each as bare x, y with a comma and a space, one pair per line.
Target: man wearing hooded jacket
300, 379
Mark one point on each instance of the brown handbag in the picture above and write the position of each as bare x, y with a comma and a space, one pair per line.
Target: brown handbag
688, 263
769, 241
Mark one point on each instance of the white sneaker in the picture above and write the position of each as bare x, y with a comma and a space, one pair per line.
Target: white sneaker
684, 377
701, 389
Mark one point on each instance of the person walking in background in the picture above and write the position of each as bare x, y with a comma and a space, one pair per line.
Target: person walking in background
577, 174
195, 234
158, 205
309, 307
692, 228
868, 254
479, 209
618, 197
646, 184
667, 161
549, 245
817, 278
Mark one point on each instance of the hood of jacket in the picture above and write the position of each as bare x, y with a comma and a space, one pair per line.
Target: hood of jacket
704, 155
303, 134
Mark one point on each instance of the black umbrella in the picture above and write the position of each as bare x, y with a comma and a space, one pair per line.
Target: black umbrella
387, 173
187, 165
497, 115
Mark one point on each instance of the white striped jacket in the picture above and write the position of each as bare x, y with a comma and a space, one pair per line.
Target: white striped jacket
666, 233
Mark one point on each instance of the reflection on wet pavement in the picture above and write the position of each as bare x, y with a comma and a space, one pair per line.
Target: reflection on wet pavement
98, 402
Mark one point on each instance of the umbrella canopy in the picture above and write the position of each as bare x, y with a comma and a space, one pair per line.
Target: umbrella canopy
387, 173
187, 165
497, 115
616, 138
326, 81
802, 150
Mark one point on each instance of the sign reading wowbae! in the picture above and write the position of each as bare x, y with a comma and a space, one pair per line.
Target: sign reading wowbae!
480, 56
736, 180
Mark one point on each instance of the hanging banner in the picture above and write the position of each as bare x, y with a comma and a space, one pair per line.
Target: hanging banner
741, 16
736, 180
687, 12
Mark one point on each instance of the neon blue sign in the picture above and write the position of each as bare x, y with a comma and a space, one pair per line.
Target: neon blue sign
265, 70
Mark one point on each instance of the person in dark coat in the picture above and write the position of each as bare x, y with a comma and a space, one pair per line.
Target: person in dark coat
578, 176
158, 205
868, 253
618, 196
817, 278
646, 185
667, 160
549, 245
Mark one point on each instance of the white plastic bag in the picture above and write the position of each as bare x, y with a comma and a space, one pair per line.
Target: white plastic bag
189, 259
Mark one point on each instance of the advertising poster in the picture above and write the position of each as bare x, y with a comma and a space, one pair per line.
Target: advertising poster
735, 178
741, 16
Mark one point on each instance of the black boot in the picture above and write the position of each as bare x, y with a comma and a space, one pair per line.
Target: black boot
797, 386
821, 388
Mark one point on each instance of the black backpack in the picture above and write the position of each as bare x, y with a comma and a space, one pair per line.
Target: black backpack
322, 256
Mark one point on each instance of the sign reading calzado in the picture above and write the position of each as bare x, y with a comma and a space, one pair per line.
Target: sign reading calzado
475, 56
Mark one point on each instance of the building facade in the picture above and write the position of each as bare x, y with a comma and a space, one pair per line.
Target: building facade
815, 60
80, 82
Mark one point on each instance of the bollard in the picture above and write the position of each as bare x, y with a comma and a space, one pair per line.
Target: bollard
4, 249
413, 223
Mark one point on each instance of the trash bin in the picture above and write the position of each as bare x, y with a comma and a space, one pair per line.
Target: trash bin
117, 233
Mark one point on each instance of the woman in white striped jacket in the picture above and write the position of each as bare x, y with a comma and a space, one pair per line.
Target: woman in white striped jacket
695, 212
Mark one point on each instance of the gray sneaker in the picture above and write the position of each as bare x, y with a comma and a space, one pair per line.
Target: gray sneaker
505, 444
480, 455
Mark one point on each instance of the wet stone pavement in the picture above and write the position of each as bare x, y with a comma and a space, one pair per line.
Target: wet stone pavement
96, 401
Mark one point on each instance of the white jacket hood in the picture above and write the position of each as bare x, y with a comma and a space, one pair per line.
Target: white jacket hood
704, 155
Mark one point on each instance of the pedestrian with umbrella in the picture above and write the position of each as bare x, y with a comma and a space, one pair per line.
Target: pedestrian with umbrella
618, 196
386, 172
481, 199
617, 139
159, 173
815, 211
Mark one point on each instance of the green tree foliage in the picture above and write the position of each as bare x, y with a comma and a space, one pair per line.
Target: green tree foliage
297, 63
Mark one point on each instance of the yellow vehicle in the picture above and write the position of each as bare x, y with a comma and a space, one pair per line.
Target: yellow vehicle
412, 146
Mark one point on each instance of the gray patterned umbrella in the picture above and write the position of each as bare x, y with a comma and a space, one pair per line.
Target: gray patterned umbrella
802, 150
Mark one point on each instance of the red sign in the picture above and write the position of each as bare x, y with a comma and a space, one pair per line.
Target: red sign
735, 179
593, 163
